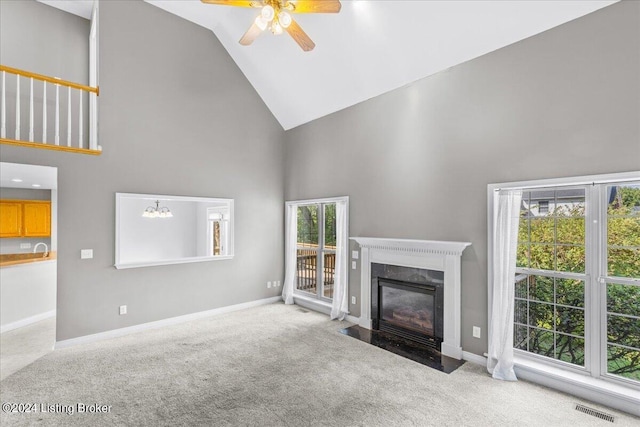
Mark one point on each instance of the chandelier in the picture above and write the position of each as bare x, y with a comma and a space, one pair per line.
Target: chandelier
157, 211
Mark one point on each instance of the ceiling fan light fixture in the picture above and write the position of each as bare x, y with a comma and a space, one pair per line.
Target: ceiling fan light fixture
276, 15
261, 23
276, 28
268, 13
284, 19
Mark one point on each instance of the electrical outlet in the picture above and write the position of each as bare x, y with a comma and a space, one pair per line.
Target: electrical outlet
353, 300
476, 332
278, 283
25, 245
268, 284
355, 254
123, 309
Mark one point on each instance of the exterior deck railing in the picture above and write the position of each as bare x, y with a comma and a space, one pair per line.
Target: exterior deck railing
307, 270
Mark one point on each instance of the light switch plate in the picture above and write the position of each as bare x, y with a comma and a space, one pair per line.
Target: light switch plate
354, 265
355, 254
476, 332
86, 253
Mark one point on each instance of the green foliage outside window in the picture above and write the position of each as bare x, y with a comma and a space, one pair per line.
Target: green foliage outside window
308, 224
549, 313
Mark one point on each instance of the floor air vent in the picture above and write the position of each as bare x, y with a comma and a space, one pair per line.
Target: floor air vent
594, 412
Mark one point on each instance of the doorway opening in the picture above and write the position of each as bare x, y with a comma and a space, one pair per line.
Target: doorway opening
28, 263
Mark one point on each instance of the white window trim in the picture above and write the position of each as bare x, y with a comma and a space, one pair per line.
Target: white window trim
613, 392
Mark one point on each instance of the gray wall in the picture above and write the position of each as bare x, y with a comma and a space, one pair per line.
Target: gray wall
44, 40
24, 194
177, 117
416, 161
35, 47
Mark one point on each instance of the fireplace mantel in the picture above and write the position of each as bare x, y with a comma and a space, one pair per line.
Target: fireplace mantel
428, 254
413, 246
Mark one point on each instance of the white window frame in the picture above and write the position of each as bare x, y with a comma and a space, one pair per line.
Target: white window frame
587, 276
306, 299
591, 382
224, 230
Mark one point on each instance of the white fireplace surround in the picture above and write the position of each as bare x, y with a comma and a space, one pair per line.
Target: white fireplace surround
427, 254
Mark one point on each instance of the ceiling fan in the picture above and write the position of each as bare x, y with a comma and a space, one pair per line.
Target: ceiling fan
276, 15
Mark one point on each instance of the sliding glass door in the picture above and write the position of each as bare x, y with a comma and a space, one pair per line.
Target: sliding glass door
316, 249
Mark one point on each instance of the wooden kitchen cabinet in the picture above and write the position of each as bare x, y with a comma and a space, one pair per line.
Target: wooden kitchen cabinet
25, 218
10, 218
36, 219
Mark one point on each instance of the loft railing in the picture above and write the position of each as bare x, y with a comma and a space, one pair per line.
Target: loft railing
71, 116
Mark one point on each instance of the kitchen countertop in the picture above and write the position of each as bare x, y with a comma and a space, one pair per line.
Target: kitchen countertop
7, 260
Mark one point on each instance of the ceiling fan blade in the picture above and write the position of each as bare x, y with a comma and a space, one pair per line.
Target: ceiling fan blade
252, 33
238, 3
298, 34
314, 6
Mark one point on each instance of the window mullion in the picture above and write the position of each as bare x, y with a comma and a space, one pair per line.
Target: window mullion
593, 296
320, 254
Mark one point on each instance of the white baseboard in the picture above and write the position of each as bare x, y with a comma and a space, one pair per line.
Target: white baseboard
312, 304
161, 323
474, 358
27, 321
352, 319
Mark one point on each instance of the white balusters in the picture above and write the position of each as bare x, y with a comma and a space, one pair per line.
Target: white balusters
31, 110
12, 135
93, 121
80, 119
44, 112
3, 119
57, 123
17, 107
69, 116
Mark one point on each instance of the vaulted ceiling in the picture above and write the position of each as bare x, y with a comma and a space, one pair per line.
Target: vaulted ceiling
369, 48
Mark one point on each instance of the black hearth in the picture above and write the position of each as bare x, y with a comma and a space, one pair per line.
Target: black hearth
408, 302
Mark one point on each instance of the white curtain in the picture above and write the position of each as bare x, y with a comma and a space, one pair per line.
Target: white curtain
290, 253
506, 214
340, 304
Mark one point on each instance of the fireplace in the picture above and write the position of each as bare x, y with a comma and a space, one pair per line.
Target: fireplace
441, 259
408, 302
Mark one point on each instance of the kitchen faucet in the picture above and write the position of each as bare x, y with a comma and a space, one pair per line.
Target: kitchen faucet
46, 249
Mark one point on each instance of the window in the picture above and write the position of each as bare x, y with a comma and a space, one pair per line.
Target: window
550, 283
622, 281
543, 206
562, 268
217, 231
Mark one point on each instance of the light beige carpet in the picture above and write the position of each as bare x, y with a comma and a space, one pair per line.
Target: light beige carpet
22, 346
273, 365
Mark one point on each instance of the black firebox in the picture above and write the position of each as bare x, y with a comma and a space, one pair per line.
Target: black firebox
408, 309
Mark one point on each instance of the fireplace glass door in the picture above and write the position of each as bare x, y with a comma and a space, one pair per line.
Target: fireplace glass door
406, 308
